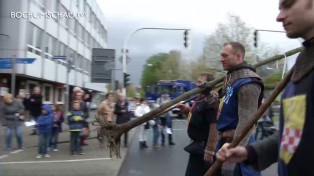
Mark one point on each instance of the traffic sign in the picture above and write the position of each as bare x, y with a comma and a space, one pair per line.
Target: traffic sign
17, 60
24, 60
59, 57
102, 65
6, 63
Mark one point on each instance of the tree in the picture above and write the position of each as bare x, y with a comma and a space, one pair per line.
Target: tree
234, 30
162, 66
199, 66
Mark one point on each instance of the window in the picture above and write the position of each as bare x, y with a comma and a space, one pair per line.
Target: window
90, 41
78, 61
62, 49
50, 47
41, 3
52, 5
64, 21
39, 40
59, 95
86, 37
30, 36
47, 93
72, 25
56, 51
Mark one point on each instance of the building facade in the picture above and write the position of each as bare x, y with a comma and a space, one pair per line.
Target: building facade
43, 29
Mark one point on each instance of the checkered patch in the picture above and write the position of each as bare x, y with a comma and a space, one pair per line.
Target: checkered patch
290, 139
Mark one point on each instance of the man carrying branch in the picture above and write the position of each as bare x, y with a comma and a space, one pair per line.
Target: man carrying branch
201, 129
242, 94
292, 147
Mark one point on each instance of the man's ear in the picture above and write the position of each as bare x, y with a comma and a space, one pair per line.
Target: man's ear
239, 57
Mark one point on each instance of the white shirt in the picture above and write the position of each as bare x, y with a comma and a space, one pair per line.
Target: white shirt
141, 110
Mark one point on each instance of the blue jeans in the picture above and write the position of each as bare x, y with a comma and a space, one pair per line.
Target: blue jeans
54, 138
18, 134
43, 143
155, 135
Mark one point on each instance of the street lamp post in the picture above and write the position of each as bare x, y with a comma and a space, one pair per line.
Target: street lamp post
113, 77
125, 44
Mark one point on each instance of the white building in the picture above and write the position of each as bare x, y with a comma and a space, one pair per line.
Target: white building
42, 29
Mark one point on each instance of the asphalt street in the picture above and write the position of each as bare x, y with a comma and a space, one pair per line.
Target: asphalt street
166, 160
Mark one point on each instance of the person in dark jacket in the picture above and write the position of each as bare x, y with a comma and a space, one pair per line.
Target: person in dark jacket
12, 114
56, 129
123, 114
78, 96
292, 147
201, 129
44, 126
76, 122
26, 103
35, 104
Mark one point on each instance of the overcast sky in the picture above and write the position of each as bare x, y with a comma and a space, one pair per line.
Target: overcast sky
201, 16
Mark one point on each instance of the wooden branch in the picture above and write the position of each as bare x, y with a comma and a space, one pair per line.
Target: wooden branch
114, 131
261, 110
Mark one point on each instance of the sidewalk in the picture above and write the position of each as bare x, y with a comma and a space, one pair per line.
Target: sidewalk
93, 152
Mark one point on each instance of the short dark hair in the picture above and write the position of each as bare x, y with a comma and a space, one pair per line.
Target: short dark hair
236, 46
142, 99
209, 76
109, 93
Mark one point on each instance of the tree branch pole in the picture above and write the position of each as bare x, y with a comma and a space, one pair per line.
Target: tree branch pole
261, 110
115, 131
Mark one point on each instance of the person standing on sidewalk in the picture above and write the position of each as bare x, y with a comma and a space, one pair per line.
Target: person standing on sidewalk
56, 129
44, 125
123, 114
76, 122
78, 96
12, 111
35, 104
107, 107
140, 110
165, 119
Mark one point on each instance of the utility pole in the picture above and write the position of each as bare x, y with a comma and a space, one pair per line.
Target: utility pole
125, 44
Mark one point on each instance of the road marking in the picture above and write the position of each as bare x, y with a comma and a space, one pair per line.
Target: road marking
177, 129
3, 156
53, 161
176, 120
16, 151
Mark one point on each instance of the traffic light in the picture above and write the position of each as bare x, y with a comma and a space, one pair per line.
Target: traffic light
186, 38
255, 38
126, 79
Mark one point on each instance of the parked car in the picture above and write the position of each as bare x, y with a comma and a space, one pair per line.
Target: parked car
93, 106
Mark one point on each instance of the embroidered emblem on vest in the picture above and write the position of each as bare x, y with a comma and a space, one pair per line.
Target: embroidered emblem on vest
294, 118
228, 95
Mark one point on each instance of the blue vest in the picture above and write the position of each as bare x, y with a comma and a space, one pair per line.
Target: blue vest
228, 117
